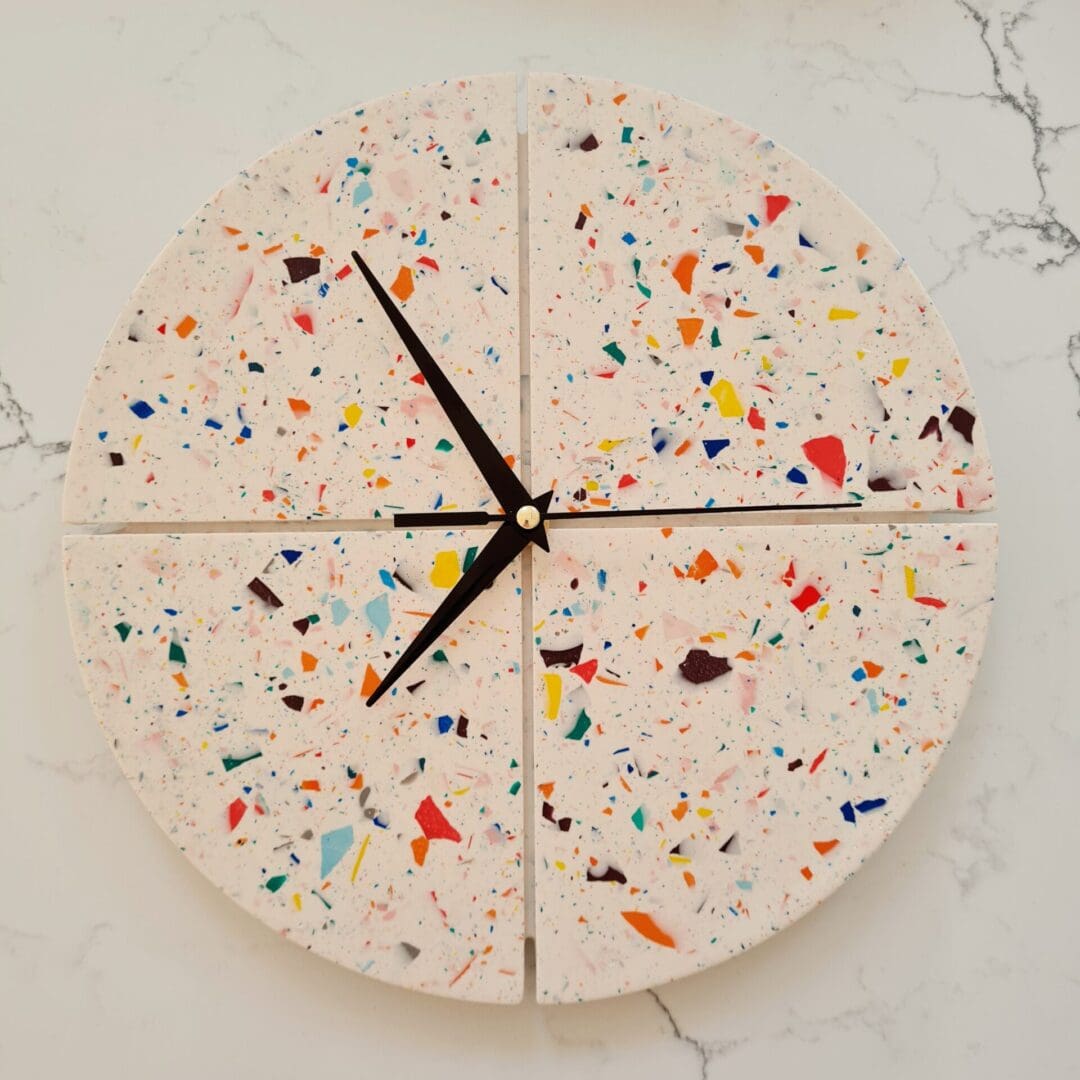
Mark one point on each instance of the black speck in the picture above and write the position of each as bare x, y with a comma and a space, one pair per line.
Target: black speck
264, 592
964, 422
610, 874
301, 267
931, 427
700, 666
561, 657
884, 483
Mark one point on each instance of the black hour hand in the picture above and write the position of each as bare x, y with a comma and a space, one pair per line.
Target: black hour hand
500, 551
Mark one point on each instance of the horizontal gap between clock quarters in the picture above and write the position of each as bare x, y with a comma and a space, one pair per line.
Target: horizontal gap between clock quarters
764, 518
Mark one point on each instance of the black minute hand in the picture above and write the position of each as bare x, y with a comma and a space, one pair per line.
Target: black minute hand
502, 480
499, 552
571, 515
458, 519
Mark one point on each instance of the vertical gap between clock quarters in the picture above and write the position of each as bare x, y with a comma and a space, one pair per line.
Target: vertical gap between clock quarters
525, 390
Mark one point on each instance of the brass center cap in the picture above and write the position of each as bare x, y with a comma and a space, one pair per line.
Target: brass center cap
527, 517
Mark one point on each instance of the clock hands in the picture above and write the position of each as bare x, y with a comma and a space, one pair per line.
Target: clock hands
501, 550
514, 534
457, 519
522, 522
503, 481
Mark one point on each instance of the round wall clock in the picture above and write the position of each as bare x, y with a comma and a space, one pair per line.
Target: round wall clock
529, 535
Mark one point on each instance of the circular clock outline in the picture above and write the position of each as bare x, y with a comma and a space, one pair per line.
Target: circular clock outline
521, 520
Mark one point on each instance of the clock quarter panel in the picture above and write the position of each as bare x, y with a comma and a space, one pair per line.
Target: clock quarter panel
715, 323
229, 673
253, 377
727, 723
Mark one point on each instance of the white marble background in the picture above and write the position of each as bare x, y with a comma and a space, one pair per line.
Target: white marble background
954, 953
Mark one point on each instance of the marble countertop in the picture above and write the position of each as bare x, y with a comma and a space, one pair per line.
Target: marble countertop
956, 126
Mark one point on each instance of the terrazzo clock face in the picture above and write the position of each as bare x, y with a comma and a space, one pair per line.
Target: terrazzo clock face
358, 660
